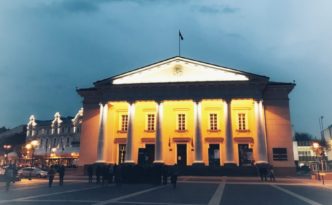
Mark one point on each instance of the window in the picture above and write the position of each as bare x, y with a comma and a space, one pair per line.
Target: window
279, 154
181, 122
150, 122
213, 121
67, 142
54, 142
46, 144
242, 122
124, 123
40, 143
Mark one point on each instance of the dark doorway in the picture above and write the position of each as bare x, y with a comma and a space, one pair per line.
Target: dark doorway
146, 155
245, 155
214, 155
149, 153
181, 154
122, 153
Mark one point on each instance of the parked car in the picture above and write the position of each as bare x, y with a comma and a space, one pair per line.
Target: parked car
32, 172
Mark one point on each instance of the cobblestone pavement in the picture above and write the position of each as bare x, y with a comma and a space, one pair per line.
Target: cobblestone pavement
190, 191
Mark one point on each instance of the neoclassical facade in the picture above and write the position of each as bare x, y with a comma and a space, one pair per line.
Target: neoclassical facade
58, 139
186, 112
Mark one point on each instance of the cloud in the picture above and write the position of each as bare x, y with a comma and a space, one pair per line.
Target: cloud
214, 9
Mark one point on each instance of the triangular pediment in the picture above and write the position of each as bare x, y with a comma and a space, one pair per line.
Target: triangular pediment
179, 69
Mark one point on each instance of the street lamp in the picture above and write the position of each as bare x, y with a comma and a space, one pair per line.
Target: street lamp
6, 148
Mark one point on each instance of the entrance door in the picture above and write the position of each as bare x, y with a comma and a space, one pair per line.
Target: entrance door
214, 155
146, 155
122, 153
245, 155
149, 153
182, 154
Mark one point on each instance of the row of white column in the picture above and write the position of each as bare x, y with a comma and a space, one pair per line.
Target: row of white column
229, 144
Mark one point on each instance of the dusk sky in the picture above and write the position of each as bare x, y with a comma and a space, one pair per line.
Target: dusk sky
49, 47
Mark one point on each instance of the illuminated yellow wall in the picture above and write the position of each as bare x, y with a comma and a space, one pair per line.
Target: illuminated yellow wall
169, 129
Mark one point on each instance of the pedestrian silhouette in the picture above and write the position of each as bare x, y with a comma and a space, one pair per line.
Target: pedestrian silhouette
90, 173
98, 173
117, 174
51, 174
9, 174
165, 174
61, 174
174, 176
271, 174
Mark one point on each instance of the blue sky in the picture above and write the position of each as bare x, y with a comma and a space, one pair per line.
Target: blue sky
50, 47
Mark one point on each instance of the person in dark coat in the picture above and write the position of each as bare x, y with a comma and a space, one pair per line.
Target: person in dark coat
118, 175
104, 171
174, 176
61, 174
98, 173
51, 174
263, 173
90, 173
9, 174
110, 170
165, 174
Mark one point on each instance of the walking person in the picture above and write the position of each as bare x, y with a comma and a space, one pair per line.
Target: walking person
61, 174
9, 173
98, 173
110, 172
51, 174
271, 174
117, 174
90, 173
165, 174
104, 176
174, 176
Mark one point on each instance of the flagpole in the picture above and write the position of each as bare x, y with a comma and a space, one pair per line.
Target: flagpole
179, 45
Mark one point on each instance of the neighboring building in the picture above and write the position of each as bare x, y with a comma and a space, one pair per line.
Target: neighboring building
304, 154
11, 142
58, 139
187, 112
327, 134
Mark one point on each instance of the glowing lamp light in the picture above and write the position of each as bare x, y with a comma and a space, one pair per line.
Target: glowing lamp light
34, 143
54, 149
28, 146
315, 145
7, 146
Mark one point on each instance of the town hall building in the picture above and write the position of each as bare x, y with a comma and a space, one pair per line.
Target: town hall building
187, 112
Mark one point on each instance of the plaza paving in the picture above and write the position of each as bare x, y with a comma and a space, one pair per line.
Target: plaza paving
190, 191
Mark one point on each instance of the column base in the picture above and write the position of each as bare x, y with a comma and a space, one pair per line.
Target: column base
230, 164
198, 164
100, 162
159, 162
261, 162
131, 162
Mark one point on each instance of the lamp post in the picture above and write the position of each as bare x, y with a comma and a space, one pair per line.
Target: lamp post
32, 146
317, 149
6, 148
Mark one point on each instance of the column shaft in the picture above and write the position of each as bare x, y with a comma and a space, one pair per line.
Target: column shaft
129, 146
261, 134
198, 134
229, 134
102, 133
159, 144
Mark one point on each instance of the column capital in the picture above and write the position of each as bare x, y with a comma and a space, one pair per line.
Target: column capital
228, 100
130, 102
197, 100
158, 101
258, 99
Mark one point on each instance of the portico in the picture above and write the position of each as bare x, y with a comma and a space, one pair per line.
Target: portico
182, 111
